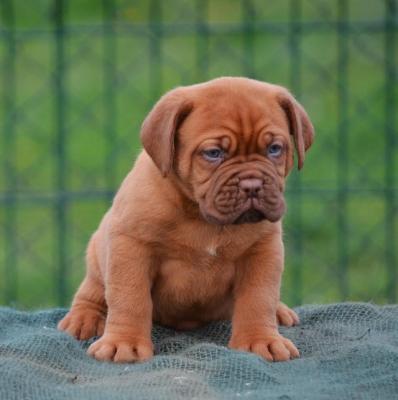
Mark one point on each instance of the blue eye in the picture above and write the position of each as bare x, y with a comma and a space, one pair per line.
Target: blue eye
274, 150
212, 155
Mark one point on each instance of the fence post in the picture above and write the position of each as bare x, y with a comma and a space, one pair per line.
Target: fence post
202, 41
155, 48
342, 145
390, 148
10, 178
109, 79
249, 14
60, 150
295, 205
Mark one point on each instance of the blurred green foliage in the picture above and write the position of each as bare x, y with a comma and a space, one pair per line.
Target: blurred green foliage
78, 77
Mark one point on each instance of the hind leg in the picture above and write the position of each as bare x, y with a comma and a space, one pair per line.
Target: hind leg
86, 317
286, 316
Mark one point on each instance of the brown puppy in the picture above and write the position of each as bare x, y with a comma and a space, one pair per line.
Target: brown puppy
194, 233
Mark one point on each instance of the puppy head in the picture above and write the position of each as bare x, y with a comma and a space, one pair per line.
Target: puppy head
229, 144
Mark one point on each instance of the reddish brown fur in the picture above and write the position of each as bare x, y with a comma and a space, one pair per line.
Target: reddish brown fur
155, 257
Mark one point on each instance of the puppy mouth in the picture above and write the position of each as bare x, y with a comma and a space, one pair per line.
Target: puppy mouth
250, 213
250, 216
243, 197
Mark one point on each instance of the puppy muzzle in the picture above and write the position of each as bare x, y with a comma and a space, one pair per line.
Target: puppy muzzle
244, 196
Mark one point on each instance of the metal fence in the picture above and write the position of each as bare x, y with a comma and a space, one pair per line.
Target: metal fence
78, 77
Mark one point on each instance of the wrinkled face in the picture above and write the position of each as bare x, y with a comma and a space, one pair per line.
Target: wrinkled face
228, 145
234, 155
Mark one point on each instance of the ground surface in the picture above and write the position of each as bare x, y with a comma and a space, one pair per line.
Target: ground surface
348, 351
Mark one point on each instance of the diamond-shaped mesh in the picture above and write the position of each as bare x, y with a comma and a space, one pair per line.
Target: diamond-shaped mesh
348, 351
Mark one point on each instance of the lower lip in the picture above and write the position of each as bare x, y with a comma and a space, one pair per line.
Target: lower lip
250, 216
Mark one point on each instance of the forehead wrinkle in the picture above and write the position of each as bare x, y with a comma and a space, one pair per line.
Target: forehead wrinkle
213, 116
244, 117
230, 120
261, 130
253, 124
244, 121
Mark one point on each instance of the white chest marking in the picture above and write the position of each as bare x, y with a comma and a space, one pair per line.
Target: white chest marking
212, 250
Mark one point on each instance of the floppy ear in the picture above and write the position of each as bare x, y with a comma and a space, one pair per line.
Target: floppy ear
299, 124
160, 126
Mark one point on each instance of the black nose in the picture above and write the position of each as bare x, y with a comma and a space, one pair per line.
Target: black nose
251, 186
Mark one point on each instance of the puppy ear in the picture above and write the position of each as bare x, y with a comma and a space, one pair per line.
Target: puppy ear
160, 126
299, 124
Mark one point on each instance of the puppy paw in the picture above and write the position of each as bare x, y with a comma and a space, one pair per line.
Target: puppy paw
286, 316
83, 323
121, 350
273, 347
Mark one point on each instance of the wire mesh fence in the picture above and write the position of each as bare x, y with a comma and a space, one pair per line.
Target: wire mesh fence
77, 79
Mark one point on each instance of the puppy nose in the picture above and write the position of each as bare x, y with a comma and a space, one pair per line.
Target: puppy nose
251, 186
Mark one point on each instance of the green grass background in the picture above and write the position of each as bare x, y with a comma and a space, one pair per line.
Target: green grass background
114, 69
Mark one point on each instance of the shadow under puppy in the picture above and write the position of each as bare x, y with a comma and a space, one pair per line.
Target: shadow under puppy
194, 233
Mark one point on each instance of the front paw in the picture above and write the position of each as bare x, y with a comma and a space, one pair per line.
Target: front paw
121, 349
286, 316
272, 347
83, 323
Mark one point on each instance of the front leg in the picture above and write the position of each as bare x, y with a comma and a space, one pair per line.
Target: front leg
254, 323
127, 335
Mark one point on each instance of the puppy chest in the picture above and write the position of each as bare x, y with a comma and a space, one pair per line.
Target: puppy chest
194, 282
200, 248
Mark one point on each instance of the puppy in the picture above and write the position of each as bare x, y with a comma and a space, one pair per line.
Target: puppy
194, 233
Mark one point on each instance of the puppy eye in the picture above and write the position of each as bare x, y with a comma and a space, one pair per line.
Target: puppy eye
275, 150
213, 155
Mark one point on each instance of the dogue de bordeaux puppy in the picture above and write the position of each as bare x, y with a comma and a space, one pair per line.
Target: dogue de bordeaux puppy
194, 233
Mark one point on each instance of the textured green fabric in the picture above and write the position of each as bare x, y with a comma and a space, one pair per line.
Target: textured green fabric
349, 351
